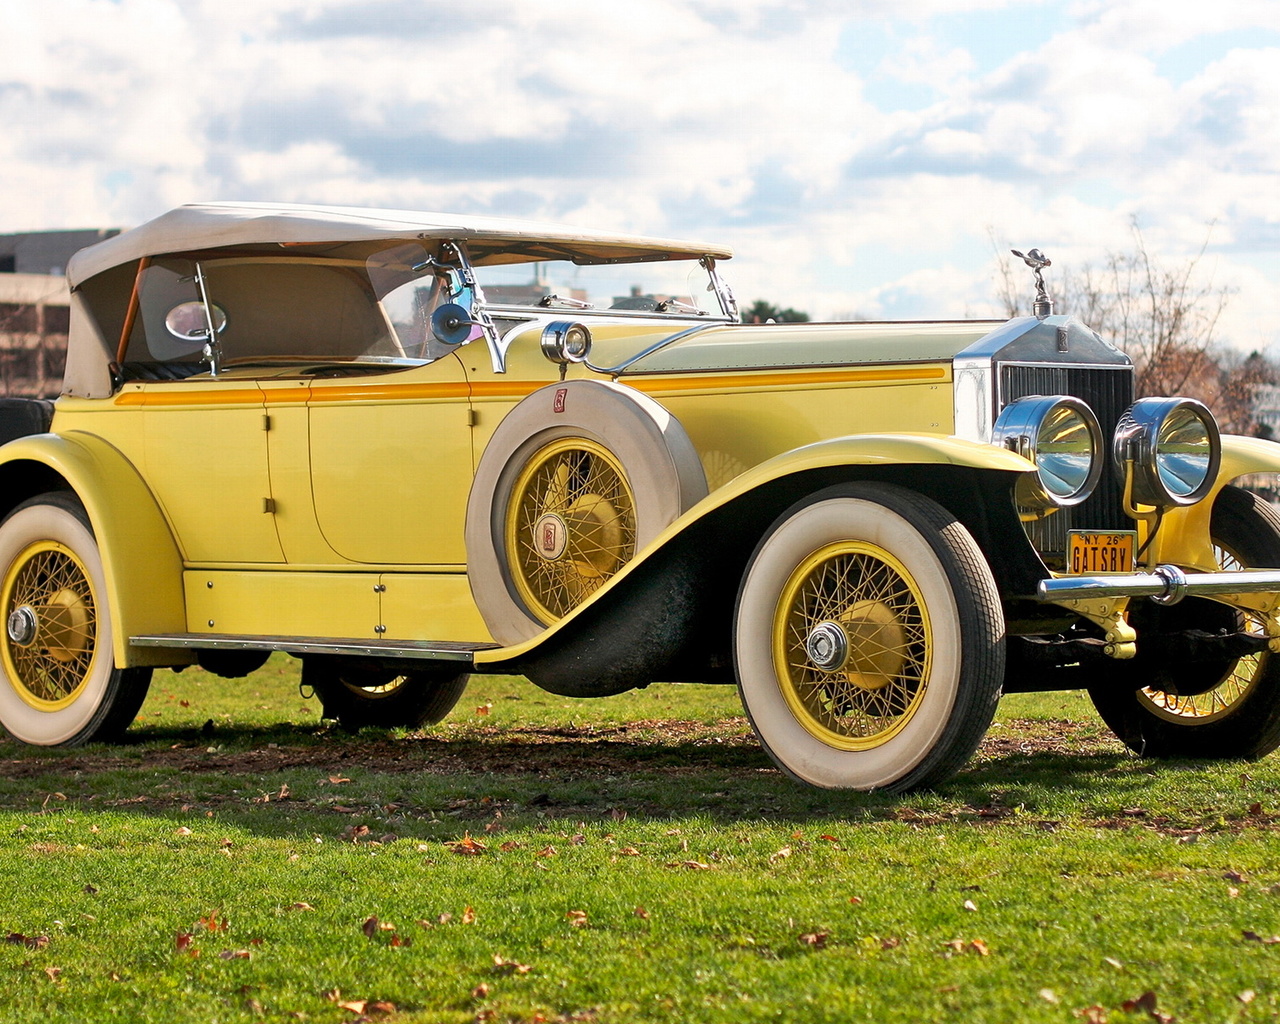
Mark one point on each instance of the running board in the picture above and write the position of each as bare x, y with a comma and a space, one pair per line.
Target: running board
428, 650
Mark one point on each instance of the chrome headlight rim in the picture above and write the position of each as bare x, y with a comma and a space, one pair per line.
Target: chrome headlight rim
1021, 427
1159, 478
566, 341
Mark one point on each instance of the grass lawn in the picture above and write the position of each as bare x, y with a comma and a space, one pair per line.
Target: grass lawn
635, 858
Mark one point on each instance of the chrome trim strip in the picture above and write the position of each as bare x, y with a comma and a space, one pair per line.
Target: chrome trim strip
1166, 584
650, 350
435, 650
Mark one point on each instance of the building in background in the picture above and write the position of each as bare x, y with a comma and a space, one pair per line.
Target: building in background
35, 308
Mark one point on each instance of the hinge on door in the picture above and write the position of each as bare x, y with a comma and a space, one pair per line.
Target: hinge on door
269, 506
472, 418
266, 421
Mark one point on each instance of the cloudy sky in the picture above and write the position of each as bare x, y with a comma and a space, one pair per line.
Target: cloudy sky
861, 156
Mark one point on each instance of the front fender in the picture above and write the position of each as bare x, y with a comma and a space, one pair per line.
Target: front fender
874, 453
1184, 535
140, 559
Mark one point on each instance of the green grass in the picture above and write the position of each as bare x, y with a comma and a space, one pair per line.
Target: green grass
1057, 873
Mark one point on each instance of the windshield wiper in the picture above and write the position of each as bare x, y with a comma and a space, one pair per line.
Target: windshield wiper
560, 300
676, 306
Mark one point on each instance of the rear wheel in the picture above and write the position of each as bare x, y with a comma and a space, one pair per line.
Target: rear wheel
356, 697
61, 686
869, 640
1215, 709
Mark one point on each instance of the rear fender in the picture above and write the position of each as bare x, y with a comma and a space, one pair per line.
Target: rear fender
140, 559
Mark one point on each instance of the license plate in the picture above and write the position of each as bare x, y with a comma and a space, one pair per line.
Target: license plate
1090, 553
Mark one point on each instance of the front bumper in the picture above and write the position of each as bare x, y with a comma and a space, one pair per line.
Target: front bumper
1166, 584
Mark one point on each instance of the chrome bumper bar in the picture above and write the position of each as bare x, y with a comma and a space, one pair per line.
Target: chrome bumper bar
1166, 584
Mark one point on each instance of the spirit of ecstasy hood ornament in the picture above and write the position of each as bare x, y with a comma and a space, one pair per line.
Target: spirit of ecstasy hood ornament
1037, 261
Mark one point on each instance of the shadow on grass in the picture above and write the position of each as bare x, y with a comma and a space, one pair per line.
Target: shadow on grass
279, 781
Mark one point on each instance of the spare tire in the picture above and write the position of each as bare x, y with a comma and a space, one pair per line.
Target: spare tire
576, 479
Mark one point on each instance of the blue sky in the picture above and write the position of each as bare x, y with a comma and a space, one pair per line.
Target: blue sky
864, 157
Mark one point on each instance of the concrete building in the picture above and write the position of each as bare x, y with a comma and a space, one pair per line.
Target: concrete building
35, 308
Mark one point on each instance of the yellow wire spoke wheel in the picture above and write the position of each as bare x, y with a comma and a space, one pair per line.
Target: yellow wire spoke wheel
868, 640
852, 645
570, 525
1235, 686
51, 623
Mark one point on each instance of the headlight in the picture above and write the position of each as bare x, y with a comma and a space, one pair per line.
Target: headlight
1174, 446
566, 342
1060, 434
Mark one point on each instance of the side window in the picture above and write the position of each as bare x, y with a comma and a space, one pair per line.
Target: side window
267, 311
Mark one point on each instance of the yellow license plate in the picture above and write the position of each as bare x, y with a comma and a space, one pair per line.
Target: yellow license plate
1090, 553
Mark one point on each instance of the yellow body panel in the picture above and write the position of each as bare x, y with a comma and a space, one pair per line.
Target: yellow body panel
391, 464
430, 606
265, 603
205, 458
141, 562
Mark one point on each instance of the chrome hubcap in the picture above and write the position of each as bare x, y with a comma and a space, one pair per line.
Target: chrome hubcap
827, 646
23, 625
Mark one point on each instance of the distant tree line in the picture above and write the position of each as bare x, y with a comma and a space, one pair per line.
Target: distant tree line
761, 312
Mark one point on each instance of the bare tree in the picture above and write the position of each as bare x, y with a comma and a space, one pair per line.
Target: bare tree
1164, 317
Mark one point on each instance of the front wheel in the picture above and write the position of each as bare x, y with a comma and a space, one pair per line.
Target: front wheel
869, 640
1214, 709
356, 697
61, 686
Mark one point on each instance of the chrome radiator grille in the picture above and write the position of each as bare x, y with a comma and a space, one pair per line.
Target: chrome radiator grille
1109, 392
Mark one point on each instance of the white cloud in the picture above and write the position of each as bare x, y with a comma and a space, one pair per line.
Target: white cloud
723, 119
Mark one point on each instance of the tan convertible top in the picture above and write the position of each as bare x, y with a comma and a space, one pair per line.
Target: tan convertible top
492, 239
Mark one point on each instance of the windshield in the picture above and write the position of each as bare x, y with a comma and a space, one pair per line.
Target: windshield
677, 287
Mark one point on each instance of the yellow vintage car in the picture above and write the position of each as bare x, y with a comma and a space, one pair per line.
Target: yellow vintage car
407, 447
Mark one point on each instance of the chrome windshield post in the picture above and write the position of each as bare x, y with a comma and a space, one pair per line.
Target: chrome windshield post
475, 305
728, 301
212, 351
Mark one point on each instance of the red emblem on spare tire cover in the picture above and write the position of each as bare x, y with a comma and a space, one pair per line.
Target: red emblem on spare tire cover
557, 404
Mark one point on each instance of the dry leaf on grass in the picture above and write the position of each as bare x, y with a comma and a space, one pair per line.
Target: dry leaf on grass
467, 846
577, 918
818, 940
503, 966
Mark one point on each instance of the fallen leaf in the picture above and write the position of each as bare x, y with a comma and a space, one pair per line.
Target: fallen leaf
890, 943
1145, 1002
970, 905
1048, 995
481, 991
629, 851
510, 845
818, 940
577, 918
503, 966
1232, 892
1113, 962
1094, 1014
695, 865
469, 916
546, 851
398, 941
1233, 876
90, 889
183, 831
1247, 996
641, 913
337, 780
467, 846
1255, 809
234, 954
484, 709
354, 1005
53, 972
212, 923
30, 941
1249, 936
300, 906
855, 900
979, 947
370, 926
782, 854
